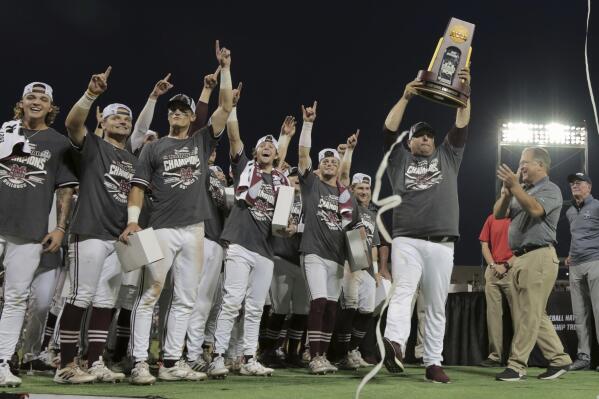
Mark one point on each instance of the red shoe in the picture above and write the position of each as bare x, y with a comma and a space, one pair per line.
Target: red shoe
436, 374
393, 356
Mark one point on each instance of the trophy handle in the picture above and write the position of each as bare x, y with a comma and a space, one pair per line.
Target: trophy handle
430, 66
468, 58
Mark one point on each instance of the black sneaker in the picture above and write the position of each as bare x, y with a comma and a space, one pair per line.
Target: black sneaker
490, 363
393, 357
554, 372
509, 375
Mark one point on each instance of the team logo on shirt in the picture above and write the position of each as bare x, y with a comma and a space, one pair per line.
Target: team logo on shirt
117, 180
328, 211
423, 174
182, 167
264, 205
24, 171
368, 223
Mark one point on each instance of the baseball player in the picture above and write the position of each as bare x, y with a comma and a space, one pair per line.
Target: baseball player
425, 227
176, 169
328, 209
359, 288
248, 263
28, 179
213, 251
288, 291
105, 168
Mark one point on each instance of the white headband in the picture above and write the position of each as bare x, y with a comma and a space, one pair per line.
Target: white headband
360, 178
112, 109
323, 154
46, 87
270, 138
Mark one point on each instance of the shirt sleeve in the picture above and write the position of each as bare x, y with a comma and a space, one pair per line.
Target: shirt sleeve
308, 178
485, 233
376, 240
209, 140
65, 174
238, 164
143, 172
549, 197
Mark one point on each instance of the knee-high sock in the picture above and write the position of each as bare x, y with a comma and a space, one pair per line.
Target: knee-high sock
295, 333
123, 333
343, 331
358, 331
316, 333
70, 325
98, 332
49, 330
328, 324
273, 329
263, 325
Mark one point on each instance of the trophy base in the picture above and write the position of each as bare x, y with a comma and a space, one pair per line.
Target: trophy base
455, 96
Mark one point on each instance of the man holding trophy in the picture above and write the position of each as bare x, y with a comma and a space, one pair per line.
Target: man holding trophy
425, 225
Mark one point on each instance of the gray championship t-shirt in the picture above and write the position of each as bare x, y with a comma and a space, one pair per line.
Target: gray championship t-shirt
27, 184
368, 220
105, 173
176, 170
213, 227
584, 227
428, 187
250, 226
288, 248
526, 230
323, 233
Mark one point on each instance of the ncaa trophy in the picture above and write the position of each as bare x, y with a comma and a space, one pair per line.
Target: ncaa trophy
440, 82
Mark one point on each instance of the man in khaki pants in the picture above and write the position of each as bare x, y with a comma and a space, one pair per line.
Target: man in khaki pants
534, 209
498, 283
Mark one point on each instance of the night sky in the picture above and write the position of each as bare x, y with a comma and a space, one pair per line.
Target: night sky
527, 65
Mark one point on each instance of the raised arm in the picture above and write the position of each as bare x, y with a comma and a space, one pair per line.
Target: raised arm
99, 131
75, 122
220, 116
287, 133
457, 137
502, 204
345, 167
305, 139
235, 142
201, 120
144, 120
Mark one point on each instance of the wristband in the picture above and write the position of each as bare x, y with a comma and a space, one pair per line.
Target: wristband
232, 115
86, 100
375, 267
133, 214
305, 139
225, 79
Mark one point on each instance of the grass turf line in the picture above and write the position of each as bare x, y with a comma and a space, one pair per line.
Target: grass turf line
467, 382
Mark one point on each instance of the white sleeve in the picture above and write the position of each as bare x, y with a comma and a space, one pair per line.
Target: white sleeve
142, 125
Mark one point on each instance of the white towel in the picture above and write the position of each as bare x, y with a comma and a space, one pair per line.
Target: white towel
11, 137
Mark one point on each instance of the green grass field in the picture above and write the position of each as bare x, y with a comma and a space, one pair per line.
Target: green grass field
467, 382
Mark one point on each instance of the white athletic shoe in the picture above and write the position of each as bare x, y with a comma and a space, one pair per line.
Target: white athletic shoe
317, 366
328, 365
199, 365
8, 379
363, 363
50, 358
349, 362
140, 375
253, 367
103, 373
217, 368
306, 355
180, 372
73, 374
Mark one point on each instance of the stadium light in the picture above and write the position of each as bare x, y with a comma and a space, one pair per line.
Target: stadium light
547, 135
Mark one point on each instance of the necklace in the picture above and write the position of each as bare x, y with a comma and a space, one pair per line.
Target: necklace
34, 133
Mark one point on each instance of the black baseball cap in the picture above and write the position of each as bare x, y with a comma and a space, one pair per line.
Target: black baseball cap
419, 128
579, 176
182, 99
